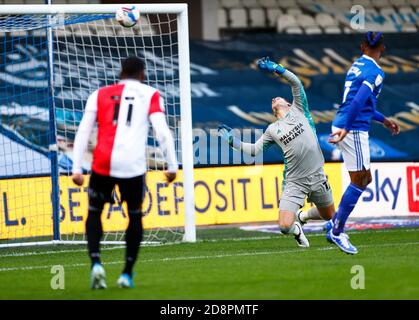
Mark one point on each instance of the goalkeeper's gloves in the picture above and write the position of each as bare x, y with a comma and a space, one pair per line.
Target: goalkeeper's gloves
266, 64
226, 133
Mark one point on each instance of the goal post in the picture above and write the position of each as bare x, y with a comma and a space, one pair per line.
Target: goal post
186, 116
80, 48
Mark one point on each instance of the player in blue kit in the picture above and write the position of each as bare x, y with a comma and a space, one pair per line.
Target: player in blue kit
363, 85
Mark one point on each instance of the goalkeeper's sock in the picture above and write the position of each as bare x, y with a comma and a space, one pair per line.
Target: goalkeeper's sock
94, 234
346, 206
311, 214
133, 238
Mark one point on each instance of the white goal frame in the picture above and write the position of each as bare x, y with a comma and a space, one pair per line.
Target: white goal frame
181, 10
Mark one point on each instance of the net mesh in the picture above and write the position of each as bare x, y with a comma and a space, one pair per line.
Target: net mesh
87, 52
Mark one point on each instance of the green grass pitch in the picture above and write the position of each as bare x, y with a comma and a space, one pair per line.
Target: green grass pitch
227, 264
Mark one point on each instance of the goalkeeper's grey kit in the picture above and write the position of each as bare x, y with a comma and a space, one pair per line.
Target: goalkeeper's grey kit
295, 134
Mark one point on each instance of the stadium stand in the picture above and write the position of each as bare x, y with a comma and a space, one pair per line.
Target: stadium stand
257, 18
289, 24
272, 16
238, 18
326, 22
314, 17
222, 19
268, 4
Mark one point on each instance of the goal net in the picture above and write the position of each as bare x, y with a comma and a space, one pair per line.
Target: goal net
51, 59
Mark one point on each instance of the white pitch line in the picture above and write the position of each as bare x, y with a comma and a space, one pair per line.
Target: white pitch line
350, 232
39, 253
217, 256
274, 236
368, 231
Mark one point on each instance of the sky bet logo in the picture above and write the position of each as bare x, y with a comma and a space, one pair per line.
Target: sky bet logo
413, 188
383, 188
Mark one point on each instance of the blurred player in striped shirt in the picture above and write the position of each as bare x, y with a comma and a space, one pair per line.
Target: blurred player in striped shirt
122, 112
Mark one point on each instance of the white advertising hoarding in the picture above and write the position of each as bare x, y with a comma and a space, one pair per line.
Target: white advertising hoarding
394, 191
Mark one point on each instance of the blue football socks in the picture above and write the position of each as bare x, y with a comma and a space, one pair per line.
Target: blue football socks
346, 206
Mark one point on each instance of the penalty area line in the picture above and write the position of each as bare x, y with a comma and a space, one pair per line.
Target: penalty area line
216, 256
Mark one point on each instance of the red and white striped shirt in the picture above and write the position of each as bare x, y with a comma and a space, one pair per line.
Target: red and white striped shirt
123, 112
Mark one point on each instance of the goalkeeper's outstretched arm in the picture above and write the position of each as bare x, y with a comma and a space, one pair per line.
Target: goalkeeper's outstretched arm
253, 149
298, 92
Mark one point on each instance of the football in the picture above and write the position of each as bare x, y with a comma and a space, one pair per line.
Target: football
127, 16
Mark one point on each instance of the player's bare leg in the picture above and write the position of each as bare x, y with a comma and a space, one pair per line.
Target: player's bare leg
361, 178
288, 225
326, 213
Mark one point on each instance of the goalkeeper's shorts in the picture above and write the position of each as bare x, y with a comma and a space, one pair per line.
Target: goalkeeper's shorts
315, 187
355, 150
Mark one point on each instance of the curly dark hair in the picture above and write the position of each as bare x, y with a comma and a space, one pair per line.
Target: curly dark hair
373, 39
132, 66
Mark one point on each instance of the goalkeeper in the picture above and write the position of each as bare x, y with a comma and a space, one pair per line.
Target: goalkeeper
294, 132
